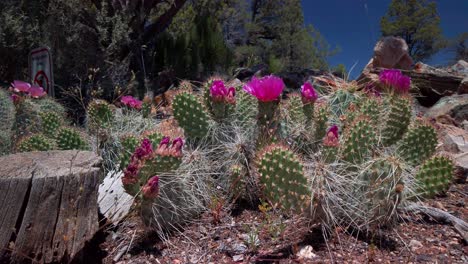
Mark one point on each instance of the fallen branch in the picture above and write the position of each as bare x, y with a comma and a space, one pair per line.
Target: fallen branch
441, 216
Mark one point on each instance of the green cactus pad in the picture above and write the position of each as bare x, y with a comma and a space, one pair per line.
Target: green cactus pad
37, 142
296, 109
246, 106
435, 176
282, 178
68, 138
50, 122
418, 144
371, 107
100, 114
160, 164
129, 143
397, 120
320, 124
191, 115
360, 138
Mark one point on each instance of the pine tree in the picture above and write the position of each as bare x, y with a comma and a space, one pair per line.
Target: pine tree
418, 23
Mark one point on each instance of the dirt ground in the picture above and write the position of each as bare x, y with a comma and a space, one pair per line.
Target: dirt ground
248, 235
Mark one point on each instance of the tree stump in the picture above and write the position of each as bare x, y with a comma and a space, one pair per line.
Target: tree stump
48, 204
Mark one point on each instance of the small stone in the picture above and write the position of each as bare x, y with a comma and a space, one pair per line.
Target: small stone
306, 253
238, 258
415, 244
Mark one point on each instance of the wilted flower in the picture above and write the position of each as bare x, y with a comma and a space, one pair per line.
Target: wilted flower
20, 86
36, 91
151, 188
396, 80
163, 147
308, 93
218, 91
266, 89
131, 173
331, 139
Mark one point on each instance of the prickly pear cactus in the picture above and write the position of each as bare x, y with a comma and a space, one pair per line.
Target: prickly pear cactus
397, 120
418, 144
371, 107
296, 109
359, 140
282, 178
435, 176
129, 143
246, 106
50, 122
154, 136
37, 142
68, 138
100, 114
321, 119
191, 115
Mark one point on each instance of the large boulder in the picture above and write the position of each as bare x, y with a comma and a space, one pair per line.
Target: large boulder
453, 107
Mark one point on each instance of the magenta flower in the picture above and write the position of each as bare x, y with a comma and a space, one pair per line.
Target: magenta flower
309, 95
131, 102
396, 80
163, 146
20, 86
36, 91
218, 91
331, 139
266, 89
144, 150
176, 148
131, 173
231, 96
151, 188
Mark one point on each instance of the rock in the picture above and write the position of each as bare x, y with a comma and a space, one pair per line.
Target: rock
415, 244
455, 106
306, 253
237, 258
461, 167
463, 87
49, 204
454, 139
460, 68
389, 52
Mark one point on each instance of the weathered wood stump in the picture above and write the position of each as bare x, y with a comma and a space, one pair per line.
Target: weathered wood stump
48, 204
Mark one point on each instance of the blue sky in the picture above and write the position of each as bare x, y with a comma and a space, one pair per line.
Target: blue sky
354, 25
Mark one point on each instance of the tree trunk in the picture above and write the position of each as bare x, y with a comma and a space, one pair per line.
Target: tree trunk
49, 205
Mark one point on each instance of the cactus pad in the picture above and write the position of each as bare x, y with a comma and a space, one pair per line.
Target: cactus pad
129, 143
435, 175
397, 120
37, 142
100, 114
191, 115
359, 140
418, 144
282, 178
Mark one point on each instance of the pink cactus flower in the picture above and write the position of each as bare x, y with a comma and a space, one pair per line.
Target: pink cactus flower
396, 80
126, 180
176, 148
309, 95
144, 150
231, 96
131, 173
163, 147
131, 102
20, 86
266, 89
331, 139
151, 188
36, 91
218, 91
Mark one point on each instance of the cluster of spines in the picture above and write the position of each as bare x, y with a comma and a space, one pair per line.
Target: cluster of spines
7, 121
282, 178
246, 106
418, 144
50, 122
321, 119
36, 142
435, 175
69, 138
128, 143
191, 115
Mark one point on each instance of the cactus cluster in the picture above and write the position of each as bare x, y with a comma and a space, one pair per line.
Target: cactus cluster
359, 141
36, 142
100, 114
50, 122
397, 120
418, 144
69, 138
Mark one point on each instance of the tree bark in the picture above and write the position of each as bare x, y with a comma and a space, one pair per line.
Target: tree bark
49, 205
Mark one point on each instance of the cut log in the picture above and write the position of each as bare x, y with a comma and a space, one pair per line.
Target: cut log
49, 205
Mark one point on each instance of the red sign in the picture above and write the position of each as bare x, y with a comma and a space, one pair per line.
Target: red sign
40, 69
